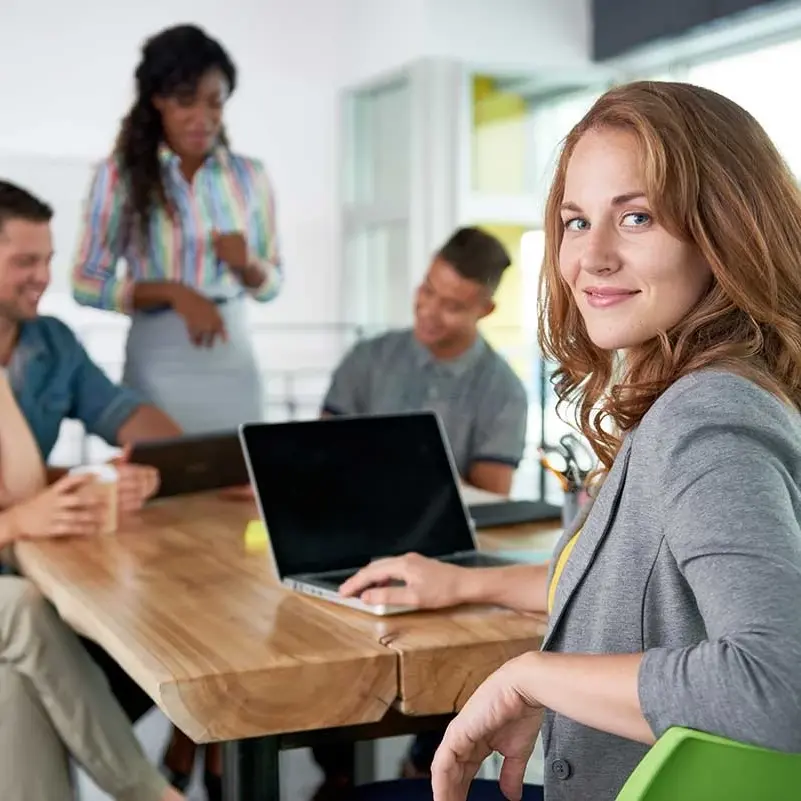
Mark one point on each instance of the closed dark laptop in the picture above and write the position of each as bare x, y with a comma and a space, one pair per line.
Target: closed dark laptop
195, 463
513, 513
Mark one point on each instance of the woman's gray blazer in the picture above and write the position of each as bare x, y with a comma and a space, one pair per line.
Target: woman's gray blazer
692, 554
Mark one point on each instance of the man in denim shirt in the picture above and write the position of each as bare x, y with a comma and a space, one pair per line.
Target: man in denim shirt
53, 379
51, 374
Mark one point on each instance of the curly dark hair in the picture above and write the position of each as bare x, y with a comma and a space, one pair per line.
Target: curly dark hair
173, 62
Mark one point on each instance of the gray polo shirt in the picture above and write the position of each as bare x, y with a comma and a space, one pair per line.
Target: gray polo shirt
481, 401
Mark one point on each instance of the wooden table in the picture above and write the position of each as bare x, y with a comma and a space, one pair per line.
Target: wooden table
229, 655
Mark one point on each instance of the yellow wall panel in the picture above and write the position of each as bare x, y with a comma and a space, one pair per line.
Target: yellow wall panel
504, 329
499, 139
499, 148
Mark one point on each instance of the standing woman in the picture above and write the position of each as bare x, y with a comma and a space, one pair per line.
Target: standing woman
194, 226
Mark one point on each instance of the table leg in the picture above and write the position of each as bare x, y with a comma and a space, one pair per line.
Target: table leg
364, 761
250, 770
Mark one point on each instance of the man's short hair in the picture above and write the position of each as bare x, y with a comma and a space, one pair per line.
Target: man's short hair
17, 203
477, 256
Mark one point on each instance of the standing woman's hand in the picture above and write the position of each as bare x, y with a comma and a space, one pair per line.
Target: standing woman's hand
204, 323
499, 716
231, 249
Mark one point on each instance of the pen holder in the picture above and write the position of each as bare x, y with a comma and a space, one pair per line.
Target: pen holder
570, 506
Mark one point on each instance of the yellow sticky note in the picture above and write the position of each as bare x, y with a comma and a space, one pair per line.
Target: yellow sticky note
255, 536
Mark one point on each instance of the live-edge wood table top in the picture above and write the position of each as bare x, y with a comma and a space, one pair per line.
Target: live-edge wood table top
205, 629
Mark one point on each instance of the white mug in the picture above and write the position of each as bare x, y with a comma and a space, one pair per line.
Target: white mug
105, 483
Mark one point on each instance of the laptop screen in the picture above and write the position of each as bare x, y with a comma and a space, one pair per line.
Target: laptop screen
339, 492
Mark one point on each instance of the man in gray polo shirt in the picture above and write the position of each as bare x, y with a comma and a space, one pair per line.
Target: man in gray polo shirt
443, 364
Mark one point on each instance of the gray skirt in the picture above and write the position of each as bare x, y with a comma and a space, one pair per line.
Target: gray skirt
202, 389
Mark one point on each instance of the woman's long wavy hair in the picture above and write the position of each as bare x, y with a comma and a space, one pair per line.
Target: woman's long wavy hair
173, 63
713, 178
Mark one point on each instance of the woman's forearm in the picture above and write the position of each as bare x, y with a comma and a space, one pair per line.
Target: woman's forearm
8, 531
149, 295
518, 587
252, 276
22, 472
595, 690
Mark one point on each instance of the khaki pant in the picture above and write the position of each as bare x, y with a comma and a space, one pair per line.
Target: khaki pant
55, 702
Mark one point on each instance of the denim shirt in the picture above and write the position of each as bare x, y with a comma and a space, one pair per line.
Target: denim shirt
54, 379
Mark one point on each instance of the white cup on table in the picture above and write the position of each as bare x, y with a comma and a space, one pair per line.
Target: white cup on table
104, 486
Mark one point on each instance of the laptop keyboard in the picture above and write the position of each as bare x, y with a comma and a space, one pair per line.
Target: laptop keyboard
336, 578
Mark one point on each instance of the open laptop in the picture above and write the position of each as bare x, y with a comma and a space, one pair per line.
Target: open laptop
335, 494
194, 463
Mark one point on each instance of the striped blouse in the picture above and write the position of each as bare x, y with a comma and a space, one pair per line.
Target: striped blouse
229, 193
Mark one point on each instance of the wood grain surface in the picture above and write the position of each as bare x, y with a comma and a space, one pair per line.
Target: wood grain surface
206, 630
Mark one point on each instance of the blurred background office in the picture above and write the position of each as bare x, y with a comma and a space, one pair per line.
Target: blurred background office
385, 124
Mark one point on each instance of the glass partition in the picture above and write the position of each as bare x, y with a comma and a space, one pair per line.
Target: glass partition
758, 81
376, 291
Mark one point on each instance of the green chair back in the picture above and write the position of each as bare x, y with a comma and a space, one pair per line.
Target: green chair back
687, 765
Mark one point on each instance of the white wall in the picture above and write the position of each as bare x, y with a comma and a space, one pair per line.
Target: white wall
517, 34
383, 35
512, 34
74, 63
67, 80
67, 71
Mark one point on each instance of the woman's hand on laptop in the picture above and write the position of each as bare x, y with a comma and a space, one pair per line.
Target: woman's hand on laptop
425, 583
